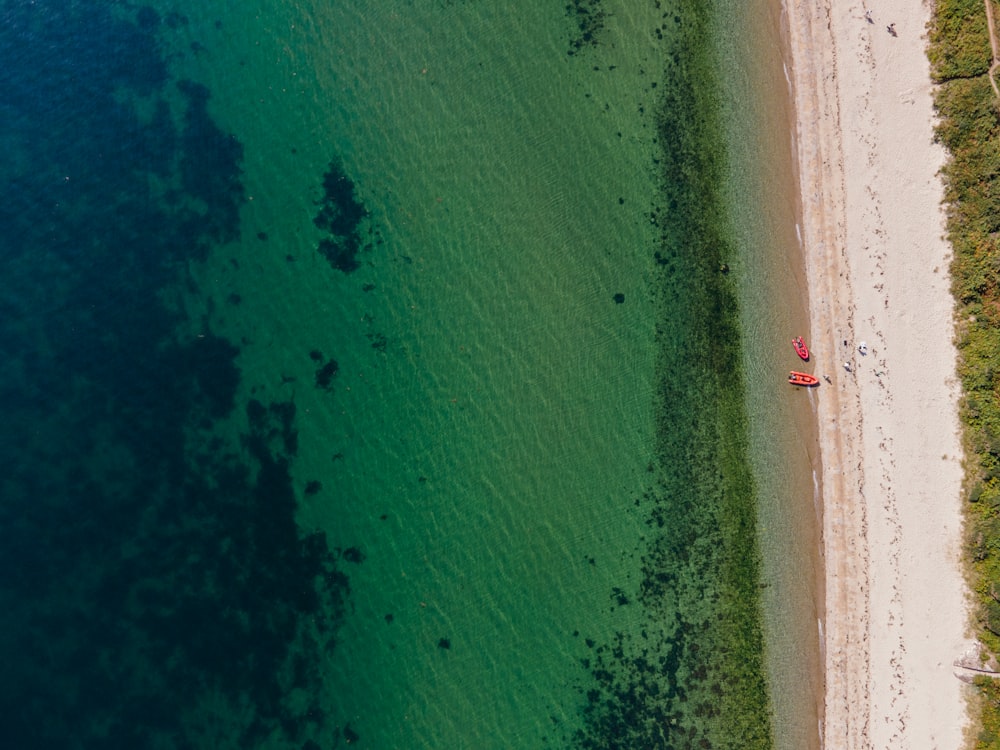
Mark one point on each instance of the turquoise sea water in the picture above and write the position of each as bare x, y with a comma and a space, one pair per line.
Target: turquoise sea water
384, 375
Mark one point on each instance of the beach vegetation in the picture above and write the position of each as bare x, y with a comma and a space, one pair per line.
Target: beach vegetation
960, 43
969, 127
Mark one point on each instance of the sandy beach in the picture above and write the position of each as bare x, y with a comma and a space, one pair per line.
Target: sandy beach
872, 229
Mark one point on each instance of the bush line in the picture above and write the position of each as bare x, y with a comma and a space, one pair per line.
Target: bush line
969, 127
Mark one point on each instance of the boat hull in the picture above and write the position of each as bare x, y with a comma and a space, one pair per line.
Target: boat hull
802, 378
799, 344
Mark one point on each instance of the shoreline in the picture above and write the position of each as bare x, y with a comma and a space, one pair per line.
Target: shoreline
872, 229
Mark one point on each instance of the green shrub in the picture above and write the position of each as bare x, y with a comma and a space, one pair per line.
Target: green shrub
969, 128
960, 42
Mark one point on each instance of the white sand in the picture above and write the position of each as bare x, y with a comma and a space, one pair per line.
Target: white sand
877, 265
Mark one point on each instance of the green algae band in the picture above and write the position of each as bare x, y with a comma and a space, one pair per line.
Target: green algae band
693, 674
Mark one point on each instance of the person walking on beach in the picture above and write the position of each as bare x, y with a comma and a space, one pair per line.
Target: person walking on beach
891, 28
868, 16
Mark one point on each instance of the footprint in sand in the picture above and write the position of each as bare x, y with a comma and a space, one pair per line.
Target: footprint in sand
906, 97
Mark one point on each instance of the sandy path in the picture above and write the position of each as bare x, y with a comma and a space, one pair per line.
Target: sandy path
877, 265
993, 46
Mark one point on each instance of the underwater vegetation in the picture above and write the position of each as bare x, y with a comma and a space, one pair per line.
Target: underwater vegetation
344, 220
691, 675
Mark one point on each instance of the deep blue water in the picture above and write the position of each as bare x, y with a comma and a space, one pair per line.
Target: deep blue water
141, 573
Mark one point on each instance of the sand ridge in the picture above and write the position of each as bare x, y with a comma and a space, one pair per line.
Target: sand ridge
877, 266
